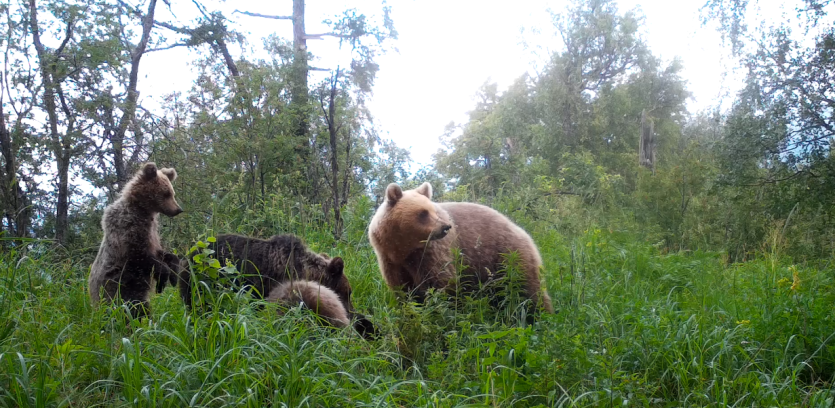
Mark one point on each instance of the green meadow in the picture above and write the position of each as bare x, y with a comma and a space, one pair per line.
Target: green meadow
635, 326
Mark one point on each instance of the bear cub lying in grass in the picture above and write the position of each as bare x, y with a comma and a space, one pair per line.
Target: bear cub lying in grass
313, 296
264, 264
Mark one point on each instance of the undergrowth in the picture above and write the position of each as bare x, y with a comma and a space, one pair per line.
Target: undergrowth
635, 326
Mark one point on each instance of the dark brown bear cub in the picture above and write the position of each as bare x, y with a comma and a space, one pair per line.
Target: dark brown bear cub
131, 260
263, 264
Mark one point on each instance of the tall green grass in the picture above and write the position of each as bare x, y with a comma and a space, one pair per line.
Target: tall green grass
635, 327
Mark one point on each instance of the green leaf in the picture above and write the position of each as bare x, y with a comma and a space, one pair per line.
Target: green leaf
496, 335
229, 269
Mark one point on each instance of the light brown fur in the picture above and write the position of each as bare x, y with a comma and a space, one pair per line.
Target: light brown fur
320, 299
131, 259
413, 238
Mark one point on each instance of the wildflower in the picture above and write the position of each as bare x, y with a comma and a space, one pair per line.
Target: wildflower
743, 322
795, 278
783, 282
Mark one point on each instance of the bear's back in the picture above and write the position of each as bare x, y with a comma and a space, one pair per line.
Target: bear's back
263, 262
484, 235
125, 229
126, 234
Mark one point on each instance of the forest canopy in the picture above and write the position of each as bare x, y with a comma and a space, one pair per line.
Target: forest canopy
602, 131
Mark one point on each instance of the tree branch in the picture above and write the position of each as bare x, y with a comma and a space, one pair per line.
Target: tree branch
319, 36
167, 47
227, 57
201, 8
251, 14
66, 38
324, 112
180, 30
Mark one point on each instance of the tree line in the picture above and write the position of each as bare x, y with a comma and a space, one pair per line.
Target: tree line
602, 131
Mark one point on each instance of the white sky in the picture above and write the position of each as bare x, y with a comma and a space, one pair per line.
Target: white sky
447, 49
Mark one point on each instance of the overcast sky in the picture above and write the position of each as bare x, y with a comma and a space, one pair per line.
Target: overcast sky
447, 49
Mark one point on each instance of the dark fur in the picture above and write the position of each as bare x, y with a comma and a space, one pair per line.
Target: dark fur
131, 261
266, 263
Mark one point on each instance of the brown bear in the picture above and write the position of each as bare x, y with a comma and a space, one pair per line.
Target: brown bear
266, 263
312, 295
131, 261
414, 239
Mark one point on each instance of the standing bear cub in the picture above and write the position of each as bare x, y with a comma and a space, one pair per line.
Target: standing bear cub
131, 261
414, 239
264, 264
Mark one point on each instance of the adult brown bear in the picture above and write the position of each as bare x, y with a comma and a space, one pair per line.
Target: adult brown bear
414, 239
131, 260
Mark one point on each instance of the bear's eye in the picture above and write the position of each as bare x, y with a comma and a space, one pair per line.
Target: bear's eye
424, 215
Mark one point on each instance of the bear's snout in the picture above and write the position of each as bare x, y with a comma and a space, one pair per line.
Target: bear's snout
440, 232
173, 212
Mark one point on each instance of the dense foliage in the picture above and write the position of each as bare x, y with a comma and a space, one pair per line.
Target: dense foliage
686, 252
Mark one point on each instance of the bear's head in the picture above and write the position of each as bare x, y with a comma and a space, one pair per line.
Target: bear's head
151, 190
332, 273
409, 219
334, 278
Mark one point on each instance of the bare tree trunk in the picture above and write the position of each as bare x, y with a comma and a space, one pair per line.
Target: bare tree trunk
227, 57
646, 150
15, 203
299, 90
61, 146
129, 109
333, 131
346, 188
13, 199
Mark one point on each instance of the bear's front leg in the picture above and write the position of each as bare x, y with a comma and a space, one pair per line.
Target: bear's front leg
163, 272
174, 264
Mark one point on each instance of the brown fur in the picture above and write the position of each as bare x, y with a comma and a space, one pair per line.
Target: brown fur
131, 260
413, 238
266, 263
312, 295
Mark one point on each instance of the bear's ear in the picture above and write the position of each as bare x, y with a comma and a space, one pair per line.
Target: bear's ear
149, 171
170, 173
425, 189
336, 267
393, 193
